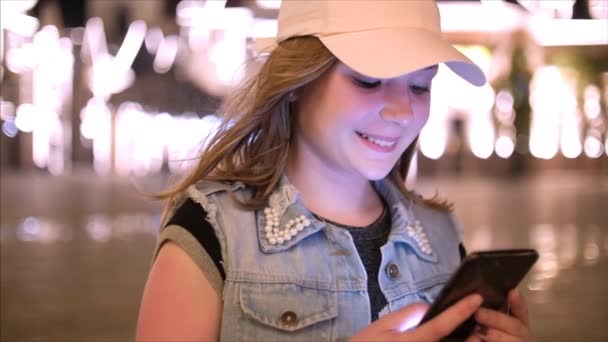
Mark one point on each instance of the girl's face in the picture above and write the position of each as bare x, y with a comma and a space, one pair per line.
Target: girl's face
359, 126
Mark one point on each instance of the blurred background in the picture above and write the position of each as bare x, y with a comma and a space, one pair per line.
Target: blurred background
100, 98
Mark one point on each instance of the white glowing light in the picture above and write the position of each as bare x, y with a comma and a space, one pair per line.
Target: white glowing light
140, 139
130, 121
26, 117
504, 101
592, 105
412, 320
593, 147
565, 32
153, 39
552, 98
491, 16
481, 138
106, 78
571, 146
570, 141
34, 229
412, 171
47, 130
481, 131
130, 46
433, 142
189, 12
165, 54
99, 228
504, 146
22, 59
227, 56
14, 19
433, 137
263, 28
96, 125
94, 43
188, 138
598, 9
269, 4
21, 24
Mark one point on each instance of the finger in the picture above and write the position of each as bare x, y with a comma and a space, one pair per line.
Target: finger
405, 318
448, 320
501, 321
473, 338
518, 306
494, 335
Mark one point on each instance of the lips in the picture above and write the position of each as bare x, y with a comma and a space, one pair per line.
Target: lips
382, 143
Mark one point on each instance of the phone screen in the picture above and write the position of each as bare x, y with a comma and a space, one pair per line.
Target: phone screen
492, 274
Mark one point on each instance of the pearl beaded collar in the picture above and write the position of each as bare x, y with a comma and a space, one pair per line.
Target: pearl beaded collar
274, 235
417, 233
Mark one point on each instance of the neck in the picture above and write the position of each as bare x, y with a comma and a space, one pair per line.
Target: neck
348, 199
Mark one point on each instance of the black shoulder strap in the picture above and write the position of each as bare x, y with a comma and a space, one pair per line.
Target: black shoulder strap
191, 217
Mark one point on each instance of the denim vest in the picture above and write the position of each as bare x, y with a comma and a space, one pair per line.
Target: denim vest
313, 287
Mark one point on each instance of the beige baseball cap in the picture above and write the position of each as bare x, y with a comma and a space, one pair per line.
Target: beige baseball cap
377, 38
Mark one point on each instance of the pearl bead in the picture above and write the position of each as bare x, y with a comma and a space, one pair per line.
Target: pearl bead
275, 234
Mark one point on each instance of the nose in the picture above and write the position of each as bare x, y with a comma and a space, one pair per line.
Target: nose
397, 106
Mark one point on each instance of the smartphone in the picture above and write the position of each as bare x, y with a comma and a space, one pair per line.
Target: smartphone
492, 274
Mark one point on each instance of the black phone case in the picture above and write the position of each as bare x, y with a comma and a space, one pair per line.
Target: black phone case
492, 274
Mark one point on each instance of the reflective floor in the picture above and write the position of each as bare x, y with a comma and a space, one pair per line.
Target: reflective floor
75, 250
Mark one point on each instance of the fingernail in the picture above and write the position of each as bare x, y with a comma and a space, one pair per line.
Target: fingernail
476, 300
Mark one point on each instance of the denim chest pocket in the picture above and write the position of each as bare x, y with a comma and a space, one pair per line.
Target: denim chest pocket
279, 311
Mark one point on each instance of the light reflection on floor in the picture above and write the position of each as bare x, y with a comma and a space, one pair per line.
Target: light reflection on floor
75, 251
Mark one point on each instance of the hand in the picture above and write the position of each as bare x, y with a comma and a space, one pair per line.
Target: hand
394, 327
499, 326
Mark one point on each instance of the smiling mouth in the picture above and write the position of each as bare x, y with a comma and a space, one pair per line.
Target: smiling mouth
382, 142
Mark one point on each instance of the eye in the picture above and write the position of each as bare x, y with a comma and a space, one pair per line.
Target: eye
366, 84
419, 89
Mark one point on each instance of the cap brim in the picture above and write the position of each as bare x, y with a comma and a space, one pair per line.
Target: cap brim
265, 45
388, 53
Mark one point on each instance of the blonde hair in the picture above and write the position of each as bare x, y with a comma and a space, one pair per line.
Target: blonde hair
253, 142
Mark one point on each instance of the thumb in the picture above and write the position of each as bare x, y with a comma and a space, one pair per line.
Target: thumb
448, 320
405, 318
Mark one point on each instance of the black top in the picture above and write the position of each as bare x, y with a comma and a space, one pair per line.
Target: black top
191, 217
368, 241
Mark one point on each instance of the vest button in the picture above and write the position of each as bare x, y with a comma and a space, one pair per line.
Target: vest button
392, 270
289, 318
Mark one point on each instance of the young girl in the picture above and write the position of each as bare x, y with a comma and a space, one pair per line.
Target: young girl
296, 224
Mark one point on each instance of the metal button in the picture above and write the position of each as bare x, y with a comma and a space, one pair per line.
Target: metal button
392, 270
289, 318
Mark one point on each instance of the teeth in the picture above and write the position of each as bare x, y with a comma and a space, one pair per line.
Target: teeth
377, 141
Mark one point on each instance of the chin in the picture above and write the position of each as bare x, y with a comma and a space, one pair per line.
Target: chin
375, 174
